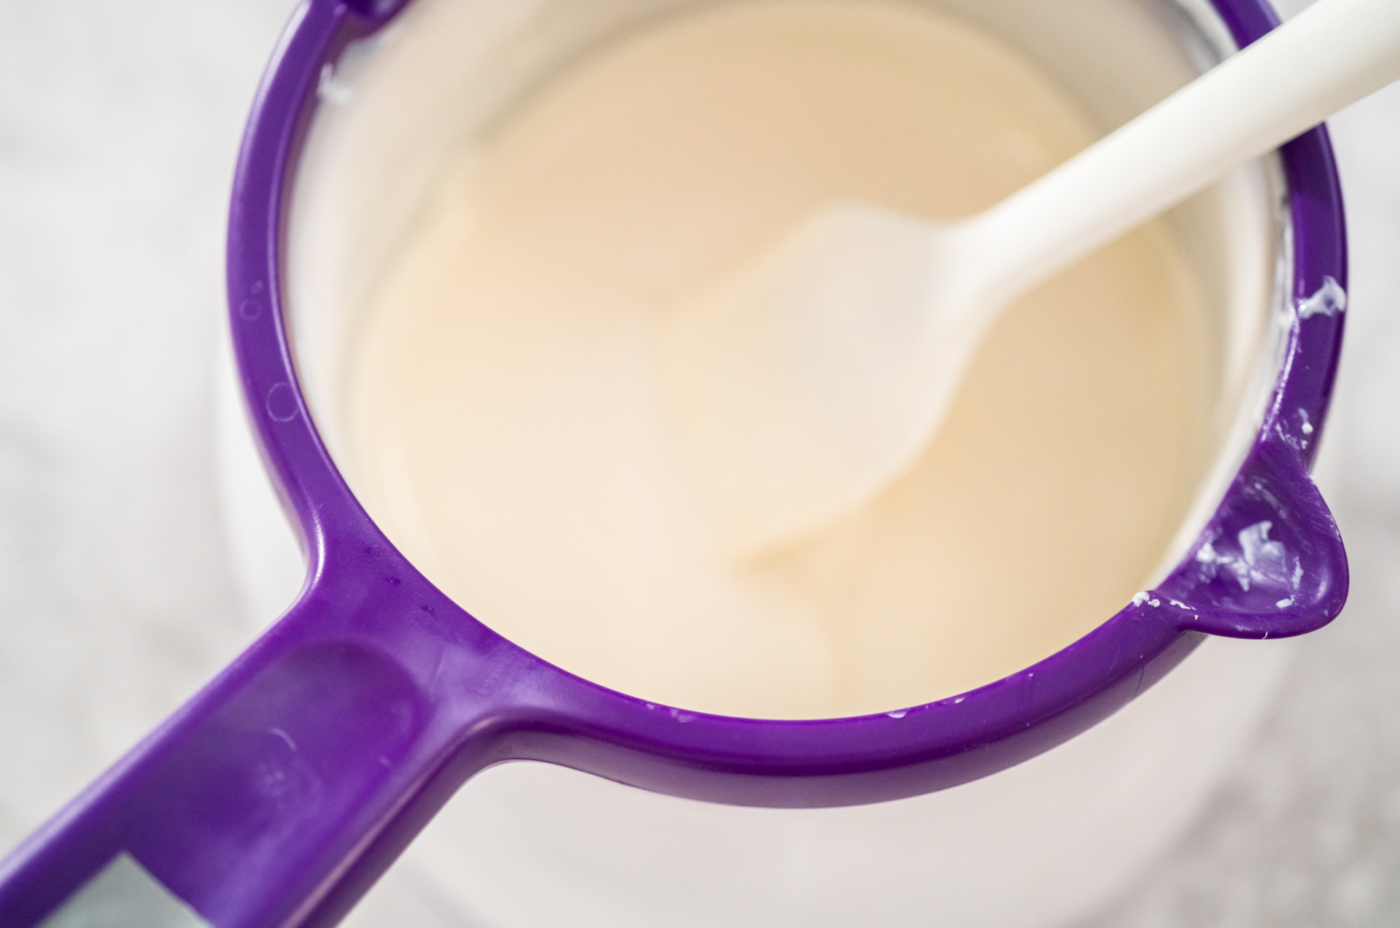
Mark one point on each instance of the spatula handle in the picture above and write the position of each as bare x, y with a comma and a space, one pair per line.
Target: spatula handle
1330, 55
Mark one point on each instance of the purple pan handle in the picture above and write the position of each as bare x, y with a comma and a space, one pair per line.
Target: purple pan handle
285, 787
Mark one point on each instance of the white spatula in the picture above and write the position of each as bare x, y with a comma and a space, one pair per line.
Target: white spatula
808, 382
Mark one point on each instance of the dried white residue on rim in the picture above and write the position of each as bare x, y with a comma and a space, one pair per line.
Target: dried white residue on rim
331, 89
1329, 300
1261, 562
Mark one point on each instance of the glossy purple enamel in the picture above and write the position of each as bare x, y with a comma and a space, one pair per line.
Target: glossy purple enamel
284, 788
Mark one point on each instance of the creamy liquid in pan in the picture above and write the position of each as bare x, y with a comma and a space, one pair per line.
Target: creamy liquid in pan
506, 427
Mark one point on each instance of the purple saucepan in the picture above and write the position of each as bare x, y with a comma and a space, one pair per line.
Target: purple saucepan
283, 789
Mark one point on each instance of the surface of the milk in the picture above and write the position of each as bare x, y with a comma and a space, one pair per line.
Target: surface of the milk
505, 426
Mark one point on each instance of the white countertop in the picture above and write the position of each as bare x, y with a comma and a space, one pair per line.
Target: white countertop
118, 128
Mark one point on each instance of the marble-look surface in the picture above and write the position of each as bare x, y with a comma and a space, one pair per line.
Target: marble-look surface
118, 128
